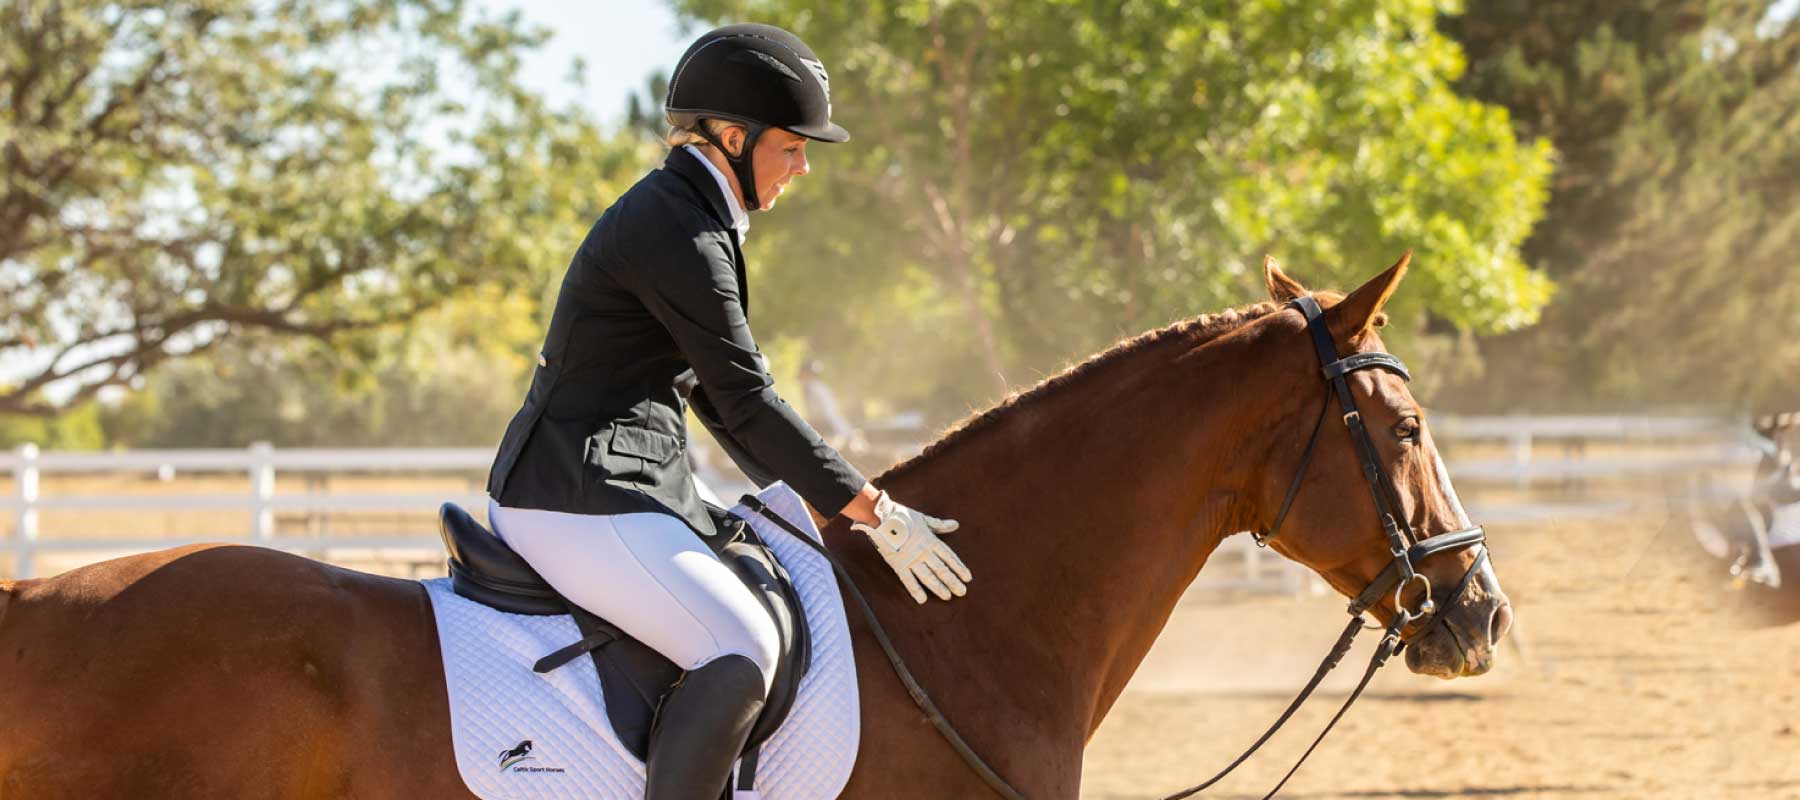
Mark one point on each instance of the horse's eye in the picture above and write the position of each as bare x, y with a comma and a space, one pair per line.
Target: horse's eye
1407, 430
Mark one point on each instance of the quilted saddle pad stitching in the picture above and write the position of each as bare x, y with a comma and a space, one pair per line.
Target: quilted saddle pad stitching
498, 704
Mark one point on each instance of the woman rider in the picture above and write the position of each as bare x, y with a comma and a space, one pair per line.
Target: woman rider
591, 485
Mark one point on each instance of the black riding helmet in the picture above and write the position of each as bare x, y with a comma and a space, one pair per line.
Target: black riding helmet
759, 76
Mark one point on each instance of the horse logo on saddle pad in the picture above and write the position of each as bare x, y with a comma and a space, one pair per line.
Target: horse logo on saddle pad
515, 755
513, 662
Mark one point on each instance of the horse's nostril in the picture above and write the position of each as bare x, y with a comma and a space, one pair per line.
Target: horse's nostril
1500, 623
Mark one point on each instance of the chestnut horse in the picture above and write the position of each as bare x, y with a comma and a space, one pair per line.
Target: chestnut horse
1088, 504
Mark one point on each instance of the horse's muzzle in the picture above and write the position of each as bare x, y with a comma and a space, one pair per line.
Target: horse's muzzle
1462, 642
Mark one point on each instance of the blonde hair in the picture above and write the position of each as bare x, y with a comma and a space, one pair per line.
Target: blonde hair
679, 135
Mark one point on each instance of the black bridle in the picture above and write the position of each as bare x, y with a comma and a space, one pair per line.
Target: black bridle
1404, 544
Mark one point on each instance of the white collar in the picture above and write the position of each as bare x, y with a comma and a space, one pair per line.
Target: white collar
739, 219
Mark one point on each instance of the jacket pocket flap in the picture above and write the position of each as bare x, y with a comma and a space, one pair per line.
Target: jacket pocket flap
643, 443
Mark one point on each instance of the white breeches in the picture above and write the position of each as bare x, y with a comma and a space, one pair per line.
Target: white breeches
650, 575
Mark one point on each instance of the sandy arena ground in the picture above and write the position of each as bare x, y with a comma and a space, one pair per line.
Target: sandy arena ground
1636, 676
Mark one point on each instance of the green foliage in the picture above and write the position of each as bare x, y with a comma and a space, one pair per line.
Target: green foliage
1031, 180
1675, 213
452, 378
79, 429
175, 175
643, 112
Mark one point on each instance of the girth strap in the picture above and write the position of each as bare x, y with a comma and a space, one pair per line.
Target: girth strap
746, 777
587, 644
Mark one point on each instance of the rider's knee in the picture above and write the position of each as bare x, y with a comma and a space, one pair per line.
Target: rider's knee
760, 644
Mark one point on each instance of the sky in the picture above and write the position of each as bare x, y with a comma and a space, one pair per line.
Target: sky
623, 42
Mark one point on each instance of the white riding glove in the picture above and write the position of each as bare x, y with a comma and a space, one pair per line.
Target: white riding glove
908, 541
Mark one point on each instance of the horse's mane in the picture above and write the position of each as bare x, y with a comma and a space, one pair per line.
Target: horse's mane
1194, 330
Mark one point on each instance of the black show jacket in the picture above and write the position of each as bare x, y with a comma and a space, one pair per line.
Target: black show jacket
654, 302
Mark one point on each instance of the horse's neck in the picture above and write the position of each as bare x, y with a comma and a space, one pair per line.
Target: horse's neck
1084, 518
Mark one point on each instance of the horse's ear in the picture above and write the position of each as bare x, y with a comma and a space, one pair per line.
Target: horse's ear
1281, 287
1362, 309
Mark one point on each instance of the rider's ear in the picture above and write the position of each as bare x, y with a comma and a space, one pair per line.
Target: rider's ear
1362, 309
1281, 287
733, 139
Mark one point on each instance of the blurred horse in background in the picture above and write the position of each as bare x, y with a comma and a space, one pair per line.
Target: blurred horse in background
1755, 537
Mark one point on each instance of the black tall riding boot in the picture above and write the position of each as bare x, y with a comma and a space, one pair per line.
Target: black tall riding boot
701, 728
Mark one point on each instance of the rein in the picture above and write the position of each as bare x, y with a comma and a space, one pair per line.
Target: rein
1406, 547
917, 692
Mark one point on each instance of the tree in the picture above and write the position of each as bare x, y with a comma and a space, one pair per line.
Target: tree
176, 174
80, 429
1674, 217
643, 112
452, 378
1030, 180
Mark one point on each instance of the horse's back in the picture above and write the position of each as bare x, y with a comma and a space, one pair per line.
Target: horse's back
219, 670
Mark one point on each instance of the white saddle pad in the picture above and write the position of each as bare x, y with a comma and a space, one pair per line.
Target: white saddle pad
522, 736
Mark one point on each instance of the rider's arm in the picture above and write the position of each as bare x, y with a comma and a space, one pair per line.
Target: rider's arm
689, 283
758, 472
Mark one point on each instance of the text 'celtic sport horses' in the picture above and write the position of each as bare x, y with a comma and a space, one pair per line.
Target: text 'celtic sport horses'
1088, 505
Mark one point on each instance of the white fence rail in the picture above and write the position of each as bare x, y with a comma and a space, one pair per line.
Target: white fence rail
1711, 444
260, 464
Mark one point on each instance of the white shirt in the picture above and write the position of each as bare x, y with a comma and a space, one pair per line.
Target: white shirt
739, 218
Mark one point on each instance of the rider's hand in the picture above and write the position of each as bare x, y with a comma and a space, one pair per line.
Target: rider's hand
908, 541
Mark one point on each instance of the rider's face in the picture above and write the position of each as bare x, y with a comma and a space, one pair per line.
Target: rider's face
779, 157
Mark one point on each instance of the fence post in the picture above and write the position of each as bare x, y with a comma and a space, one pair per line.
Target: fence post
1521, 454
262, 490
26, 532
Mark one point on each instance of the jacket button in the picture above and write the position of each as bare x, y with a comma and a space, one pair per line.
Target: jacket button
542, 361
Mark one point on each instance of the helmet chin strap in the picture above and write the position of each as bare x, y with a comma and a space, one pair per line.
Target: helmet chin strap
741, 164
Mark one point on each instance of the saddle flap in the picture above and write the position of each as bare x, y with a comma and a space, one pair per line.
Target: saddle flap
757, 566
634, 678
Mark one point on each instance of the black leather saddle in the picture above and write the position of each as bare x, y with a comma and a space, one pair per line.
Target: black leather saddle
633, 677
